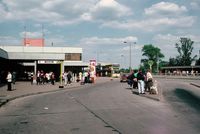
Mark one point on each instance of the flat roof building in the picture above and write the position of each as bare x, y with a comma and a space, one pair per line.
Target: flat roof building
32, 58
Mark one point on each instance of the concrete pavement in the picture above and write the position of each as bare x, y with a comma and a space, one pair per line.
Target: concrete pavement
26, 89
192, 80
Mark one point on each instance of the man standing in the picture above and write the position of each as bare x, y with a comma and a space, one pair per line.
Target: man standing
140, 78
9, 81
130, 79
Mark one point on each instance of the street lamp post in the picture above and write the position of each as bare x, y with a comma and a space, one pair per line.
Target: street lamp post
130, 43
122, 60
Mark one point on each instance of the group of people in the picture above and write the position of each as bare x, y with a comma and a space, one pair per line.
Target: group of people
86, 77
67, 77
42, 78
141, 81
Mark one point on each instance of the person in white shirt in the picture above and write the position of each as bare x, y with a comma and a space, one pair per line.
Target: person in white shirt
9, 81
149, 80
65, 77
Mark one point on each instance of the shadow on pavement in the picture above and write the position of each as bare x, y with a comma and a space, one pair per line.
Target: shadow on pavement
188, 98
2, 84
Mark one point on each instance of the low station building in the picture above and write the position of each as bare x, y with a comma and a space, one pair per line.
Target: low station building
34, 56
26, 59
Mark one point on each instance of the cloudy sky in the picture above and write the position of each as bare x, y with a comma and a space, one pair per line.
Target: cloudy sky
101, 26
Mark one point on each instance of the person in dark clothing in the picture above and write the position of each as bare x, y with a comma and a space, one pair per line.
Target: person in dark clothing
14, 77
69, 76
135, 83
130, 79
31, 78
38, 78
52, 78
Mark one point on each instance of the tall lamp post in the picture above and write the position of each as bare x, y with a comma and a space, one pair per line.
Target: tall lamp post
130, 43
122, 60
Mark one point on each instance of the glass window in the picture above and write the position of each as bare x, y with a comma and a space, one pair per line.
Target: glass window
73, 56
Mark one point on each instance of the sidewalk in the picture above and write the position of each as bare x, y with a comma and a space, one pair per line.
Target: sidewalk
26, 89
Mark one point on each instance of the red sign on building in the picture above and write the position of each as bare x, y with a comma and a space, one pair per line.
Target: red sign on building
34, 42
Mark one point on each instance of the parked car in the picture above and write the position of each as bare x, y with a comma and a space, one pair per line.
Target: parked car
123, 77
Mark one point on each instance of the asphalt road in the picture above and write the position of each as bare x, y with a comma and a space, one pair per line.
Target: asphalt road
106, 108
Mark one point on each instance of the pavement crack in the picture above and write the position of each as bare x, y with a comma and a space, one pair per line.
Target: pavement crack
96, 115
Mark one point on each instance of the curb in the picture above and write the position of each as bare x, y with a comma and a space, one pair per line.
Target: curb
176, 77
196, 85
3, 102
6, 100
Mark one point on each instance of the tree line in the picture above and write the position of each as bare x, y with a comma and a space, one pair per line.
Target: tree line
153, 57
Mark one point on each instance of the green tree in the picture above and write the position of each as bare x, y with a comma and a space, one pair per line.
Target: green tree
197, 62
151, 53
173, 62
185, 48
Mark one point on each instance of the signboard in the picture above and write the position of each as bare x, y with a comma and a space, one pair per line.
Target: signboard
34, 42
93, 70
48, 62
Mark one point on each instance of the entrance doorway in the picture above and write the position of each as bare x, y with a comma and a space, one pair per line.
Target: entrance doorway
55, 68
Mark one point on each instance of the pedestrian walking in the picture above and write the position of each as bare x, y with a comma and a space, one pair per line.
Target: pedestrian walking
140, 78
9, 81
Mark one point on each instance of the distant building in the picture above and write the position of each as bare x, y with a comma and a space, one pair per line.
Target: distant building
108, 69
180, 70
25, 59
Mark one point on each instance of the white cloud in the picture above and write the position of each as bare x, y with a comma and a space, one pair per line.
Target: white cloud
109, 9
62, 12
164, 39
154, 24
86, 17
158, 17
31, 34
2, 12
111, 49
107, 41
195, 5
165, 8
43, 11
9, 40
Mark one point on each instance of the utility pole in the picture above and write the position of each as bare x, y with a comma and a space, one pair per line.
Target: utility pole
130, 54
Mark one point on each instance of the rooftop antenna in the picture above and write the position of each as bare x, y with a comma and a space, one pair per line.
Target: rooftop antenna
42, 35
24, 35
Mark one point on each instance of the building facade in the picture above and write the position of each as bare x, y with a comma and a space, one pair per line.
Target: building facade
26, 59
